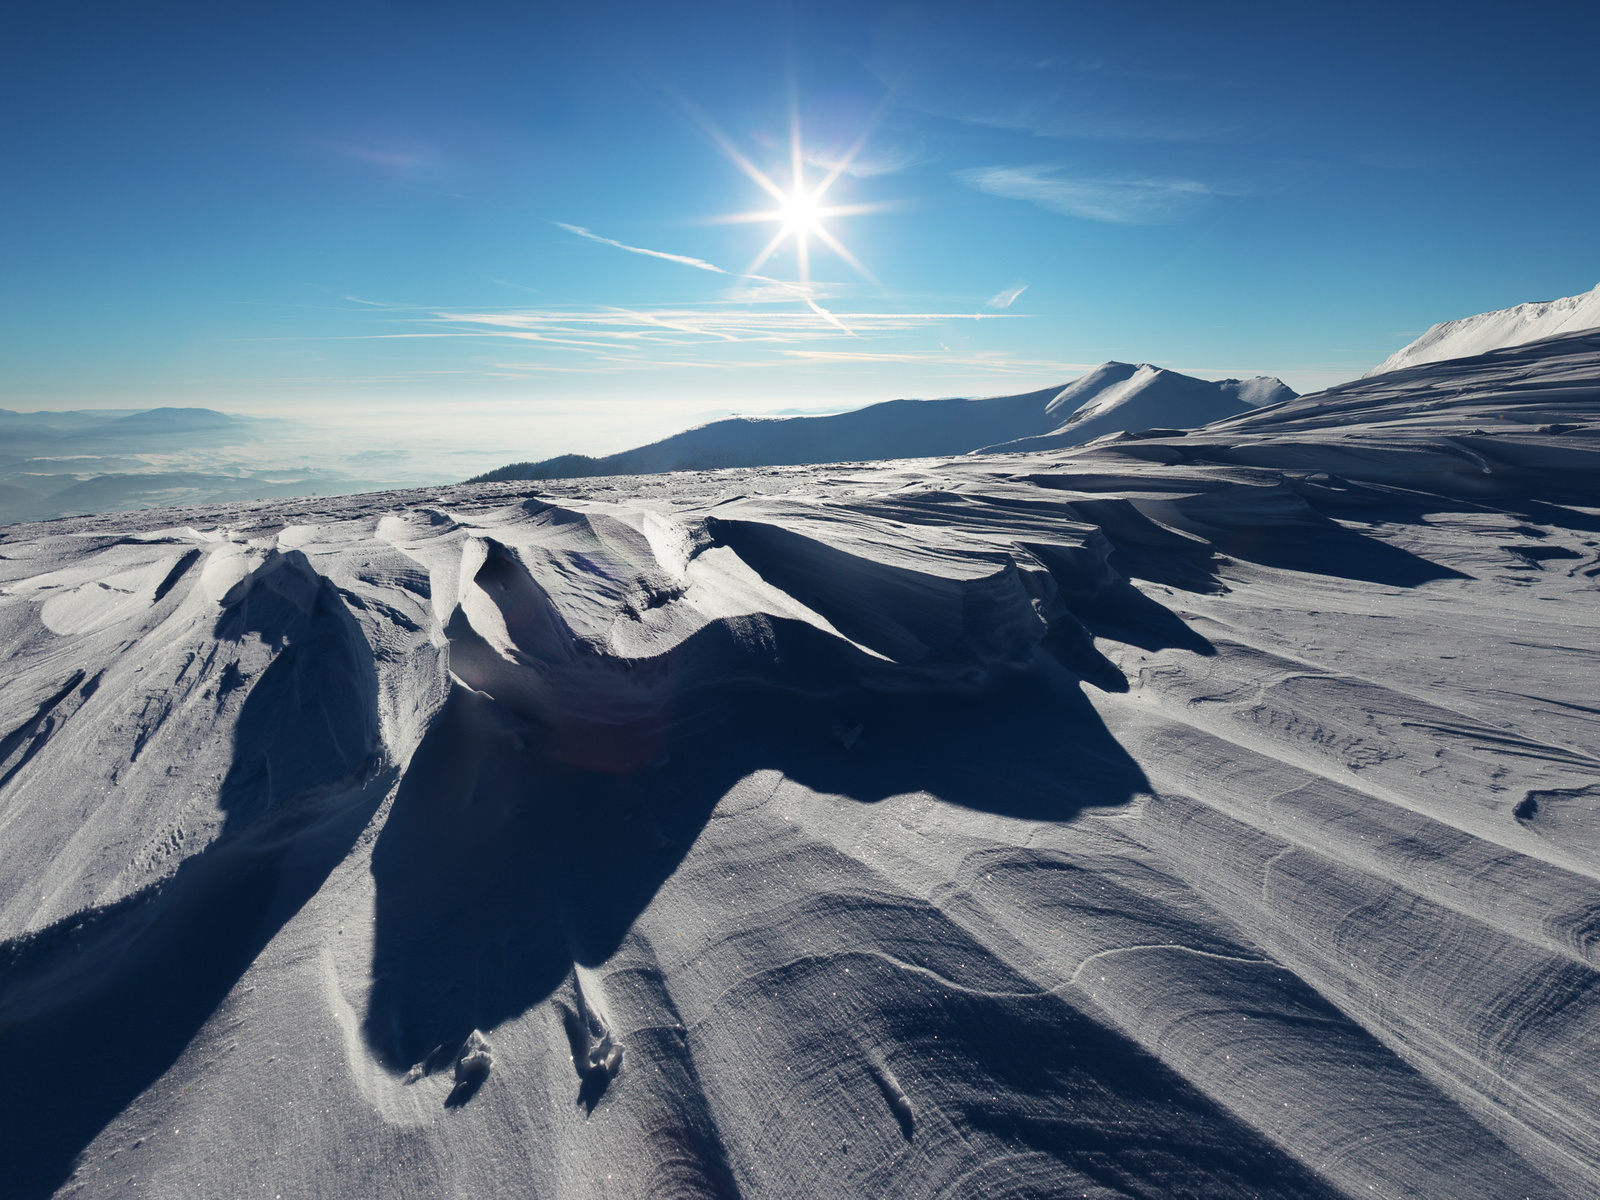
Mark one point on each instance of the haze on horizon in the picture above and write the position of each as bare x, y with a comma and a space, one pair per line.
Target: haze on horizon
529, 229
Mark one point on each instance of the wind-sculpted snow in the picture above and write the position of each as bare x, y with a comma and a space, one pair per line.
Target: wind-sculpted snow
1200, 814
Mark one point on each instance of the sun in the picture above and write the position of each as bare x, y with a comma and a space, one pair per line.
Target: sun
801, 213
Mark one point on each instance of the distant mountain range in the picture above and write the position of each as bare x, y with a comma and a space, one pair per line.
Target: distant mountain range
1113, 397
89, 431
55, 464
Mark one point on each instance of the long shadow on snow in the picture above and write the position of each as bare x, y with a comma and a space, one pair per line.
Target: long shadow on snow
1122, 613
1331, 549
1288, 539
499, 865
81, 1041
1035, 1096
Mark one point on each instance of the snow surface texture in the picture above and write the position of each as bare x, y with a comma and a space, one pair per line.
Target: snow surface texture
1514, 326
1113, 397
1207, 815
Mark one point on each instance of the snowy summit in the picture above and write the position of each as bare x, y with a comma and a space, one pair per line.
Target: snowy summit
1515, 326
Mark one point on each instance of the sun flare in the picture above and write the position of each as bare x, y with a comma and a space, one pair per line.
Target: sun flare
801, 213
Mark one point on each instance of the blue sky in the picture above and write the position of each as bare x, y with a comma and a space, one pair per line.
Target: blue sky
377, 211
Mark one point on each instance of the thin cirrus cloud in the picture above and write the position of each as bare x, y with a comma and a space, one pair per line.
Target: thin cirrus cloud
777, 291
1008, 297
612, 329
616, 338
862, 164
953, 62
995, 364
687, 261
799, 292
711, 336
409, 161
990, 363
1117, 201
1054, 115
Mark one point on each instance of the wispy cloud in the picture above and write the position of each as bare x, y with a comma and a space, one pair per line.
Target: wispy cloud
700, 263
408, 159
863, 164
776, 291
755, 323
1073, 116
801, 292
997, 362
1119, 201
614, 329
1008, 297
956, 61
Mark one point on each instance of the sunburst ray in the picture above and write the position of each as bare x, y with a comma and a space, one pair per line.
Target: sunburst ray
800, 213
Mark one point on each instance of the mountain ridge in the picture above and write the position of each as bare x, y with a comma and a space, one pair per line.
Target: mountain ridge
1467, 337
1114, 396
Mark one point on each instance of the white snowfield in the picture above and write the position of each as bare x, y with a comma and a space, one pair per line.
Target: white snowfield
1514, 326
1208, 815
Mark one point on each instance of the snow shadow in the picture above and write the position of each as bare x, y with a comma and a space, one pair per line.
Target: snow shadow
500, 868
102, 1004
1278, 527
312, 716
1558, 515
501, 865
1328, 548
1034, 1074
1125, 614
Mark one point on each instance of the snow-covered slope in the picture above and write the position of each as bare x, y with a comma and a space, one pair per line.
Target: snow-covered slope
1205, 815
1514, 326
1115, 395
1118, 397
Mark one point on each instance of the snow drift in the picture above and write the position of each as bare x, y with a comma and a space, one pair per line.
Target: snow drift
1515, 326
1113, 397
1191, 814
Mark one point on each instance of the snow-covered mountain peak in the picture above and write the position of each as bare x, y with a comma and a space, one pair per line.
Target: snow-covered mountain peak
1086, 388
1123, 396
1515, 326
